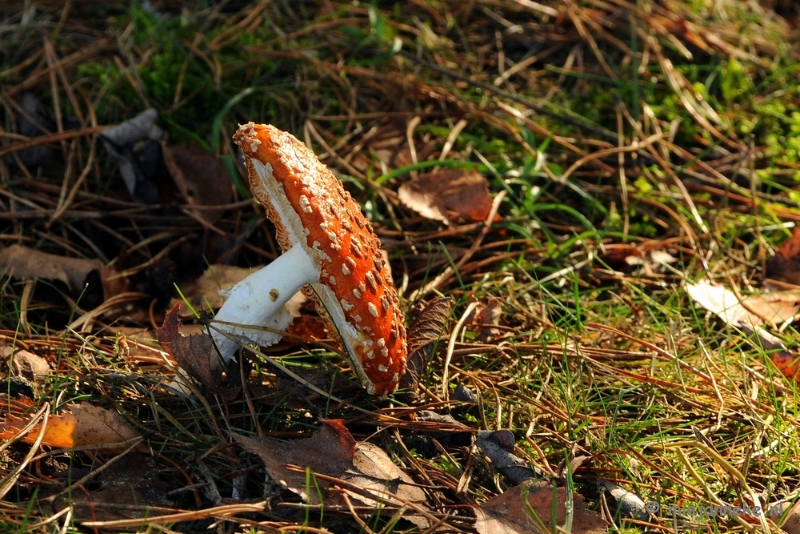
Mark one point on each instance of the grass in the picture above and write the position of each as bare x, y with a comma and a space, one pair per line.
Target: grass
610, 124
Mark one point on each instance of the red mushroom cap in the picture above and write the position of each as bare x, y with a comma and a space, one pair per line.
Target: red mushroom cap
310, 208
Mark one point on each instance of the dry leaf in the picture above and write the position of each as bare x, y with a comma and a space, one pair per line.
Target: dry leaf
200, 177
506, 513
488, 317
135, 146
751, 311
448, 195
499, 447
791, 523
423, 334
29, 366
333, 452
196, 355
788, 363
25, 263
82, 424
784, 266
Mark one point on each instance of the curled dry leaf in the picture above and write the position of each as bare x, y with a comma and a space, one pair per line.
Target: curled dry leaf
448, 195
333, 452
27, 365
195, 354
25, 263
135, 146
425, 331
81, 424
499, 447
200, 177
509, 514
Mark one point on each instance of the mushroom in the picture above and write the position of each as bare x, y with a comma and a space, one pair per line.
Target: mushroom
329, 249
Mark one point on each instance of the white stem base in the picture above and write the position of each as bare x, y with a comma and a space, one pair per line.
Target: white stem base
259, 300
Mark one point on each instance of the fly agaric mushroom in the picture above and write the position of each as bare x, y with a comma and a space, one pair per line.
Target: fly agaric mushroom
329, 249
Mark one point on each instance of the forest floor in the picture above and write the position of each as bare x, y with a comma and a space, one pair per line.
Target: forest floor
587, 208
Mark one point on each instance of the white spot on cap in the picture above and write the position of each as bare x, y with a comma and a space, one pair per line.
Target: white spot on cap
345, 269
332, 280
371, 281
355, 246
356, 293
346, 306
352, 262
372, 309
382, 368
305, 205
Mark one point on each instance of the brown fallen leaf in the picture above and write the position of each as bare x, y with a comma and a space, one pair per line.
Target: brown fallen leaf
750, 311
448, 195
195, 354
200, 177
788, 363
488, 317
784, 266
333, 452
508, 514
25, 263
81, 424
424, 332
29, 366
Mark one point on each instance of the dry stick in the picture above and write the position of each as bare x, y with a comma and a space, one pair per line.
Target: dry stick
65, 203
217, 511
50, 56
451, 345
451, 138
51, 138
448, 272
623, 180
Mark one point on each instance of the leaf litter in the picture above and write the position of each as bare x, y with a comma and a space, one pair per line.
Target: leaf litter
361, 472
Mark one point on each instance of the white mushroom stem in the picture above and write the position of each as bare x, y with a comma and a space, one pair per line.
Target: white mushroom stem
259, 300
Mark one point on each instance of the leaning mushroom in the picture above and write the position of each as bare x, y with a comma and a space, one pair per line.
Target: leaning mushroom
329, 248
